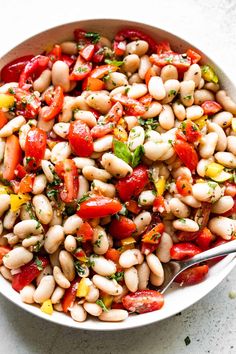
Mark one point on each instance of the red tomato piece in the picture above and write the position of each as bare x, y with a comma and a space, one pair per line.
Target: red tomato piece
183, 186
187, 236
20, 171
191, 131
180, 61
98, 207
55, 53
11, 71
27, 103
194, 56
67, 59
211, 107
92, 84
193, 275
33, 69
122, 228
151, 72
98, 55
147, 248
204, 239
159, 204
68, 171
80, 139
187, 154
230, 189
133, 207
180, 251
143, 301
119, 48
87, 52
164, 47
101, 130
131, 186
153, 236
26, 184
12, 157
85, 232
133, 106
112, 254
146, 100
55, 105
35, 147
133, 34
3, 119
81, 69
70, 295
103, 70
115, 113
3, 251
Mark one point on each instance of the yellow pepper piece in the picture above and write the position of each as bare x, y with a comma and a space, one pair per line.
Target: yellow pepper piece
213, 169
6, 101
107, 300
222, 177
120, 133
17, 200
83, 288
200, 180
208, 74
47, 307
124, 248
160, 185
5, 190
201, 122
233, 123
128, 241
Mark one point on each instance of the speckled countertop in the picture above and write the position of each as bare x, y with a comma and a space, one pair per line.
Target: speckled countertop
211, 323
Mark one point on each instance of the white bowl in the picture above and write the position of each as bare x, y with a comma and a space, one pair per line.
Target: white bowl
176, 299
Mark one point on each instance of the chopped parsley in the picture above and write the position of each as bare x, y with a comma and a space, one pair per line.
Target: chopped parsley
102, 305
99, 240
122, 151
182, 220
80, 268
114, 62
81, 200
172, 93
38, 263
95, 37
150, 123
117, 276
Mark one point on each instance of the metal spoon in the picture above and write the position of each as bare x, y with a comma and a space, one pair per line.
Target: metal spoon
173, 268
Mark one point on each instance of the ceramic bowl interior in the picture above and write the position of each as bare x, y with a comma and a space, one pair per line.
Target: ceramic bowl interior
176, 298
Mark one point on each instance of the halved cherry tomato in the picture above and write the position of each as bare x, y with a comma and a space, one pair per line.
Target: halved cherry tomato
133, 106
147, 248
11, 71
183, 186
154, 235
35, 147
151, 72
192, 275
55, 106
194, 56
98, 55
33, 69
98, 207
85, 232
133, 207
131, 186
20, 171
27, 103
143, 301
122, 227
55, 53
68, 171
187, 154
3, 119
146, 100
81, 69
119, 48
133, 34
3, 251
92, 84
70, 295
80, 139
87, 52
204, 239
103, 70
159, 204
12, 157
115, 113
99, 131
67, 59
112, 254
163, 47
181, 61
211, 107
230, 189
26, 184
185, 250
191, 131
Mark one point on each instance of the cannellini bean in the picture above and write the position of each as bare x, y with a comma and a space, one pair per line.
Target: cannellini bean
212, 86
115, 166
152, 110
43, 208
163, 250
10, 219
58, 307
100, 240
172, 88
2, 148
226, 102
91, 173
43, 81
93, 294
27, 227
206, 192
226, 159
154, 136
144, 66
135, 79
69, 48
54, 258
131, 122
222, 205
103, 144
143, 275
32, 241
60, 75
166, 117
116, 80
222, 140
70, 243
191, 201
61, 129
100, 102
186, 92
72, 224
60, 152
203, 95
48, 170
104, 42
136, 137
137, 90
106, 189
156, 88
6, 273
223, 119
43, 124
23, 132
87, 117
12, 126
178, 208
202, 166
130, 258
81, 162
46, 271
222, 226
142, 221
120, 89
67, 264
194, 112
70, 104
153, 151
131, 279
83, 186
102, 266
78, 313
146, 198
60, 278
231, 144
138, 47
45, 289
131, 63
57, 295
169, 72
194, 74
208, 145
92, 309
110, 287
156, 280
56, 218
39, 184
17, 257
27, 294
179, 110
114, 315
155, 265
54, 237
185, 224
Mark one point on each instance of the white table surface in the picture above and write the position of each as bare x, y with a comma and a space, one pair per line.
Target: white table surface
211, 323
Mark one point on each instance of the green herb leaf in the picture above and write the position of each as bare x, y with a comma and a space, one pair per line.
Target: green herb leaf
80, 269
114, 62
182, 220
102, 305
117, 276
82, 199
137, 155
95, 37
122, 151
38, 263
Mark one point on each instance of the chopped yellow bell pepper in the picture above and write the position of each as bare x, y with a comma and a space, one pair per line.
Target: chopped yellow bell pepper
47, 307
17, 200
120, 133
233, 124
5, 190
213, 169
107, 300
6, 101
124, 248
128, 241
160, 185
83, 288
200, 180
208, 74
222, 177
201, 122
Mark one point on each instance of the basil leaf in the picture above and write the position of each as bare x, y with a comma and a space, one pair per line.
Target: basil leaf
121, 150
136, 158
114, 62
102, 305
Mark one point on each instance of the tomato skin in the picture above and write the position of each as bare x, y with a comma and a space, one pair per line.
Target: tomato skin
147, 248
143, 301
122, 227
133, 207
26, 183
159, 204
102, 70
55, 53
153, 236
183, 186
98, 207
70, 295
3, 251
193, 134
92, 84
192, 275
99, 131
151, 72
164, 47
27, 104
87, 52
185, 250
230, 189
85, 232
33, 69
11, 71
161, 60
115, 113
80, 139
204, 239
81, 69
211, 107
12, 157
55, 105
133, 107
20, 171
35, 147
194, 56
133, 34
112, 254
67, 170
119, 48
187, 154
131, 186
28, 273
146, 100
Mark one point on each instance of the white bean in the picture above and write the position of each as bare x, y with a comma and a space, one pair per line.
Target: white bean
166, 117
93, 294
92, 309
194, 112
91, 173
156, 280
114, 315
83, 187
81, 162
12, 126
193, 73
137, 90
86, 117
163, 250
186, 92
6, 273
100, 240
146, 198
106, 189
61, 129
60, 75
111, 287
143, 275
136, 137
130, 258
39, 184
131, 63
222, 226
32, 241
69, 48
54, 237
70, 104
17, 257
144, 66
70, 243
223, 119
226, 102
67, 264
191, 201
60, 152
135, 79
10, 219
222, 140
156, 88
153, 151
178, 208
138, 47
185, 224
103, 144
60, 278
152, 110
27, 294
131, 122
203, 95
72, 224
226, 159
208, 145
23, 132
27, 227
231, 144
131, 279
155, 265
43, 81
206, 192
57, 295
142, 221
100, 102
116, 80
169, 72
179, 110
78, 313
48, 170
43, 208
115, 166
172, 88
102, 266
222, 205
